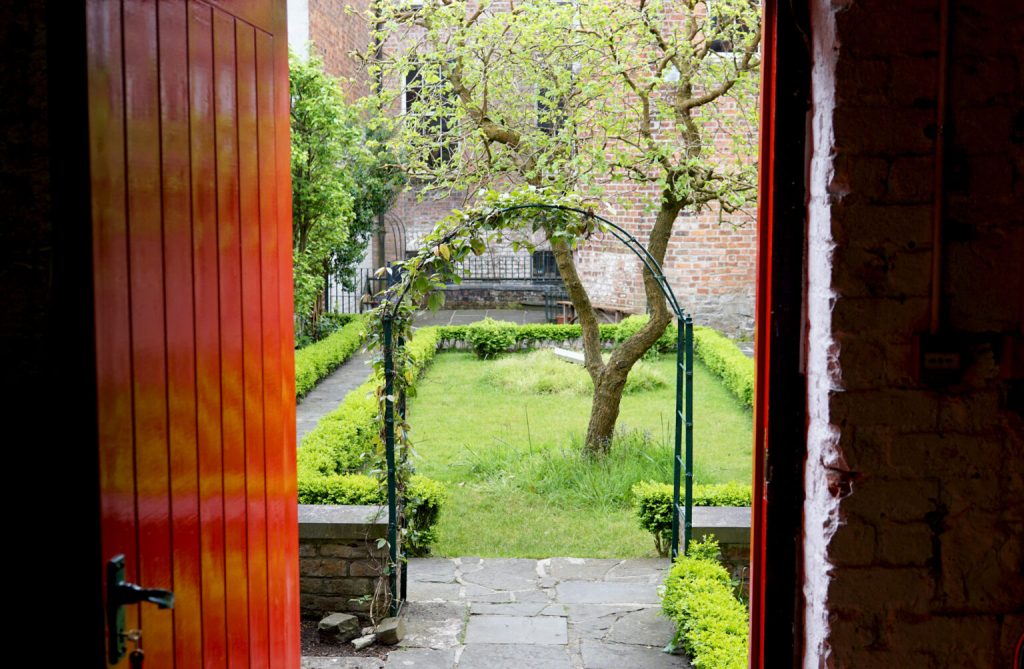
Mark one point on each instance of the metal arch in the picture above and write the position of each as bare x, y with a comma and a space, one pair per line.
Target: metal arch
684, 380
398, 232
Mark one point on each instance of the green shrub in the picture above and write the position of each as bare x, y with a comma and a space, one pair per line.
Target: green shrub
711, 624
726, 361
653, 504
630, 325
424, 499
331, 322
339, 489
525, 336
316, 361
490, 338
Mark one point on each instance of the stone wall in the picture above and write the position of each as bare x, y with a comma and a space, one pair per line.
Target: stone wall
339, 561
914, 520
730, 525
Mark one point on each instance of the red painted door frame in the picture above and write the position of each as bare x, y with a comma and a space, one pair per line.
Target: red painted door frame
190, 201
779, 451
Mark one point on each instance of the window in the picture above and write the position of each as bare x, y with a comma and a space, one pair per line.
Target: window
730, 27
550, 113
427, 101
544, 266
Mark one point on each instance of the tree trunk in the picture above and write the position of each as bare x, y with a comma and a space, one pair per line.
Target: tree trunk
604, 411
610, 378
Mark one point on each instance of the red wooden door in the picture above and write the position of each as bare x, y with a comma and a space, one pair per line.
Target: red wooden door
189, 154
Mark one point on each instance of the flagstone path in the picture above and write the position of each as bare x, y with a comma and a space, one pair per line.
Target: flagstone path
558, 613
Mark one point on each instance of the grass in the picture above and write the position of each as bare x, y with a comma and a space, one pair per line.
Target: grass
511, 454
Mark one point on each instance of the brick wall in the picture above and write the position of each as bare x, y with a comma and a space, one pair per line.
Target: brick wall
335, 34
914, 521
710, 262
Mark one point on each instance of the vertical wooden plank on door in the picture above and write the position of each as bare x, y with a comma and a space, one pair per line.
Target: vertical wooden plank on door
207, 333
279, 492
181, 360
230, 288
252, 343
110, 286
290, 537
145, 264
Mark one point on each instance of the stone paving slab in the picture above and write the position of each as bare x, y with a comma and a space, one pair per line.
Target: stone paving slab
595, 621
540, 630
601, 592
505, 574
645, 627
421, 658
576, 569
597, 655
493, 656
651, 570
438, 626
342, 663
431, 570
511, 609
433, 592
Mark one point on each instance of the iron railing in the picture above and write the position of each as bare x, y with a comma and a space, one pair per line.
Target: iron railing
537, 268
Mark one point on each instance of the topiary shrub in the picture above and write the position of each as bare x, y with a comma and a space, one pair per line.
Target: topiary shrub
489, 337
711, 624
653, 504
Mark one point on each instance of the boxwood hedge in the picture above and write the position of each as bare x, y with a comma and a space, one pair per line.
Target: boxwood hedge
711, 624
317, 360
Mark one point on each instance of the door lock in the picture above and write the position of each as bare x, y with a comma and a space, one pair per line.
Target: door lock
120, 594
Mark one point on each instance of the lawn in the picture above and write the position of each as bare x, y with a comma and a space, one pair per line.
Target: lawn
511, 455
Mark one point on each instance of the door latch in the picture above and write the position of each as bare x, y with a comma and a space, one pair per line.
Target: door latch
120, 594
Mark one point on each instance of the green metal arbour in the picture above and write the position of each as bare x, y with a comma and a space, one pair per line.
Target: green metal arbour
682, 468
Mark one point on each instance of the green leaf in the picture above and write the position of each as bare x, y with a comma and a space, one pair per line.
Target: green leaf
436, 300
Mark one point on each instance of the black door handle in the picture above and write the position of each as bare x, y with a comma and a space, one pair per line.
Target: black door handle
129, 593
121, 593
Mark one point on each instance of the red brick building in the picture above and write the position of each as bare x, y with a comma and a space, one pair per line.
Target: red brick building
711, 258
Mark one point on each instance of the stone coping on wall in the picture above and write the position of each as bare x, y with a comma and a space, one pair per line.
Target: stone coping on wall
729, 524
332, 521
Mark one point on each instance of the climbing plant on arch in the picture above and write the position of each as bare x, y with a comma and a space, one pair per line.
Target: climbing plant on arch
516, 217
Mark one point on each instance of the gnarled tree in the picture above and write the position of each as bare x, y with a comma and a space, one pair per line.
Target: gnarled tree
574, 97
